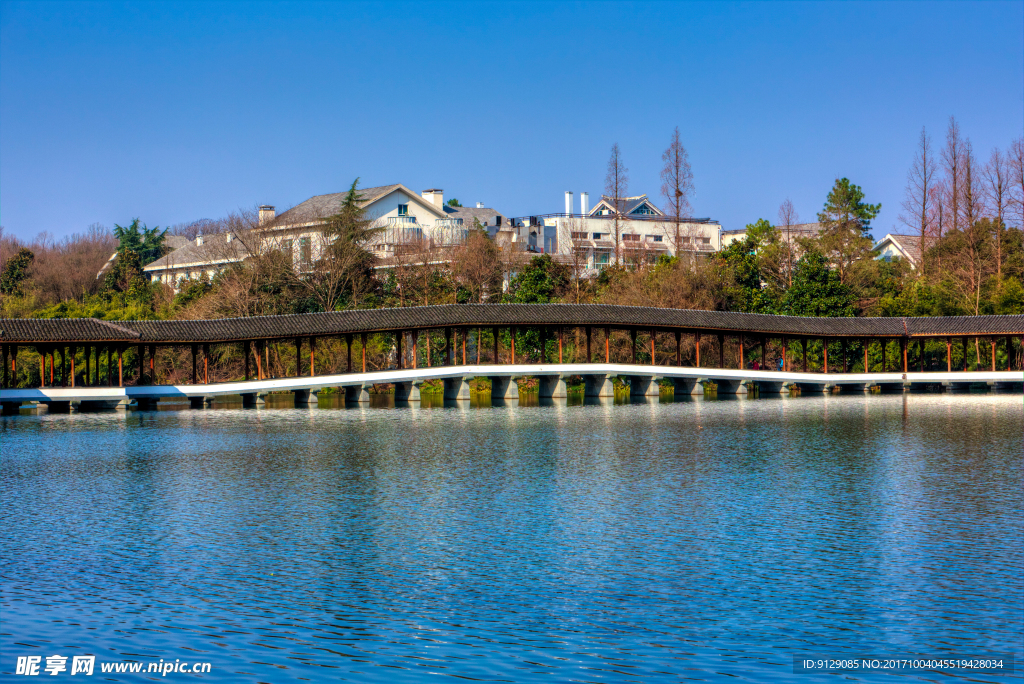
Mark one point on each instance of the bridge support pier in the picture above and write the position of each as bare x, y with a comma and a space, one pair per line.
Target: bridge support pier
144, 403
254, 399
728, 386
357, 394
58, 406
10, 408
1008, 386
891, 387
305, 397
853, 387
644, 386
686, 386
811, 387
98, 405
599, 385
769, 387
197, 402
552, 387
503, 388
456, 389
407, 391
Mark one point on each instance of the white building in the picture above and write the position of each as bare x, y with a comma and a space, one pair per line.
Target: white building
896, 246
644, 232
409, 221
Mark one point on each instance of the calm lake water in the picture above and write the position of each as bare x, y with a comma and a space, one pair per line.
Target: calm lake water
707, 540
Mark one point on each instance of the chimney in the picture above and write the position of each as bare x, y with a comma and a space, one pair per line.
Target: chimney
435, 195
199, 240
479, 205
568, 202
584, 203
229, 236
267, 214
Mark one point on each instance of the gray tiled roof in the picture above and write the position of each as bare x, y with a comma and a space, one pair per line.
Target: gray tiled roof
485, 215
911, 245
322, 206
471, 315
215, 250
63, 330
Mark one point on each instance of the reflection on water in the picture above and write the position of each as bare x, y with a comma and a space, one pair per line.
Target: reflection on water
563, 540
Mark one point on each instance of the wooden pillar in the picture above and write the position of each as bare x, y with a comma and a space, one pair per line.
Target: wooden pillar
607, 345
785, 354
864, 346
885, 351
803, 343
590, 359
560, 333
120, 365
824, 357
764, 356
206, 364
679, 349
632, 337
512, 350
247, 352
696, 347
654, 336
3, 383
743, 355
949, 354
42, 366
497, 347
53, 352
846, 362
266, 359
14, 365
721, 351
447, 346
312, 356
903, 353
195, 351
478, 346
139, 351
298, 356
259, 359
362, 340
152, 364
348, 352
415, 348
398, 351
920, 356
464, 334
992, 341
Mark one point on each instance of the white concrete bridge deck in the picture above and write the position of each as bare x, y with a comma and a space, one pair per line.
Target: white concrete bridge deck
598, 377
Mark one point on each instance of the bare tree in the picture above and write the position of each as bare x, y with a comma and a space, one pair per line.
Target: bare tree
475, 265
677, 184
787, 219
972, 203
573, 235
997, 194
616, 185
917, 196
1015, 156
952, 166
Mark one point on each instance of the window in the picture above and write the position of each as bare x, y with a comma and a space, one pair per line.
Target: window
643, 209
602, 258
597, 236
304, 251
630, 237
286, 249
403, 209
655, 238
705, 240
579, 236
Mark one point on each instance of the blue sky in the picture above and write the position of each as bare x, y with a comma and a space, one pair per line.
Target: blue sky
179, 111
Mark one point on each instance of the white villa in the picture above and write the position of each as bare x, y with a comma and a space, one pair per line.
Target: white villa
411, 221
645, 232
896, 246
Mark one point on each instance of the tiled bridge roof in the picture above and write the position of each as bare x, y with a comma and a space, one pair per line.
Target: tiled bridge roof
472, 315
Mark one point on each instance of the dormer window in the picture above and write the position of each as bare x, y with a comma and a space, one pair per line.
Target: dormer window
403, 209
644, 209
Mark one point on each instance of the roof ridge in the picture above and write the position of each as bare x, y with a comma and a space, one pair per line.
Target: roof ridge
115, 326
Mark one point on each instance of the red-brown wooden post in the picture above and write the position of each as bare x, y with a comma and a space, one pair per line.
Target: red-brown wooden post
42, 366
152, 364
632, 337
513, 348
803, 343
864, 346
560, 332
362, 339
259, 359
992, 341
949, 355
654, 336
696, 347
206, 364
743, 355
607, 345
120, 365
679, 349
464, 332
415, 348
824, 358
920, 356
903, 353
